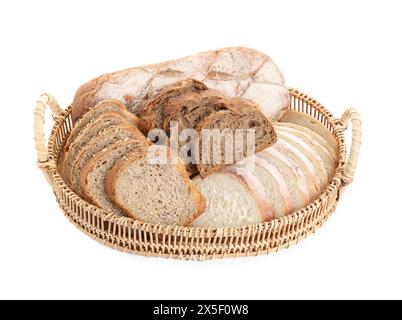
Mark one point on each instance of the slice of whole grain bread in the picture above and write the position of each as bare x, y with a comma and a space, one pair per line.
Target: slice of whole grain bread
102, 123
242, 115
154, 193
94, 113
93, 175
103, 140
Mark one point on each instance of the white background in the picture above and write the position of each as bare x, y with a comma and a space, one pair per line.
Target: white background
344, 53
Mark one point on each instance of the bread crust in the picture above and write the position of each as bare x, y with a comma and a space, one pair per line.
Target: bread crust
237, 71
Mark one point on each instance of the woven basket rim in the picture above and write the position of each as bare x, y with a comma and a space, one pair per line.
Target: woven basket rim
336, 182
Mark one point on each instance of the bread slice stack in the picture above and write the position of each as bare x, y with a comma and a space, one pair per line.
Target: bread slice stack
282, 179
192, 105
104, 139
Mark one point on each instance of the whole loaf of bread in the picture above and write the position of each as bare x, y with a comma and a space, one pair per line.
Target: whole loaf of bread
236, 72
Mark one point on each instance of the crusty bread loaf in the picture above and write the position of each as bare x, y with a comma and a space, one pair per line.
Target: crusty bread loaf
93, 175
239, 72
103, 140
286, 177
241, 114
155, 193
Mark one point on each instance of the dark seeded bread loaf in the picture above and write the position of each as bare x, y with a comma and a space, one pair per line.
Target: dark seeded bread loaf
155, 193
242, 114
103, 140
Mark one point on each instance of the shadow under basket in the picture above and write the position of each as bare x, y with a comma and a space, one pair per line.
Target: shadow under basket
147, 239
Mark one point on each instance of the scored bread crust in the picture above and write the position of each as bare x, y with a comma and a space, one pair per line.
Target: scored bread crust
111, 181
234, 71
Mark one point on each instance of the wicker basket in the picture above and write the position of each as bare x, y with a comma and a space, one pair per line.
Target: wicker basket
147, 239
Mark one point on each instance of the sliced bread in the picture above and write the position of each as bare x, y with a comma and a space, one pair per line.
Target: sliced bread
154, 193
102, 123
308, 133
94, 173
229, 202
304, 120
285, 178
153, 112
323, 153
244, 115
191, 108
103, 140
93, 114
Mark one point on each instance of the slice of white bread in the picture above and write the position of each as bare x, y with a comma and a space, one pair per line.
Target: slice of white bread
229, 202
103, 140
323, 153
94, 173
310, 152
307, 133
154, 193
286, 177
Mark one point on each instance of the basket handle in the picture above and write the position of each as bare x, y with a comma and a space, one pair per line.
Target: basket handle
39, 130
351, 116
